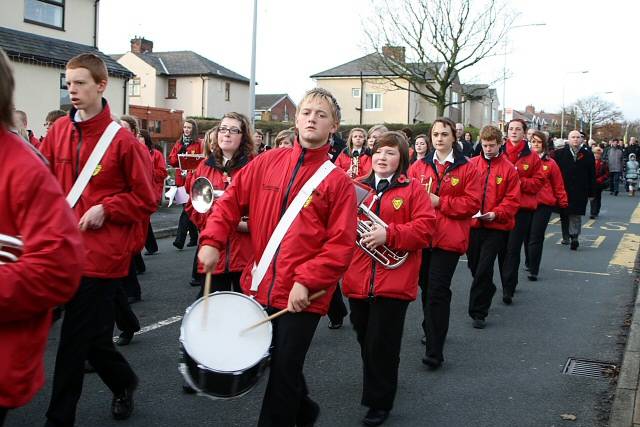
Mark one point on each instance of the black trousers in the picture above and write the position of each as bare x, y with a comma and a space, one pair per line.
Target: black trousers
379, 323
222, 282
195, 276
337, 309
436, 271
130, 283
596, 202
151, 245
286, 400
185, 225
3, 415
509, 257
139, 264
535, 238
126, 320
484, 246
86, 334
614, 182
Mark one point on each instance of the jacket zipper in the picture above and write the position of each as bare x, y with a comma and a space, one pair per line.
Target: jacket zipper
373, 262
283, 209
227, 261
78, 147
486, 181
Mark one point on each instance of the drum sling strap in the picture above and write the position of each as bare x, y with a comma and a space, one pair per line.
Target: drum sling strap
285, 222
95, 157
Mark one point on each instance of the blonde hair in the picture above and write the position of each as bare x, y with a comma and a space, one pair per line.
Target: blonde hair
325, 95
375, 128
349, 138
285, 135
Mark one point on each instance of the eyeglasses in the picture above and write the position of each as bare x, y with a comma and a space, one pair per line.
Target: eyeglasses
232, 131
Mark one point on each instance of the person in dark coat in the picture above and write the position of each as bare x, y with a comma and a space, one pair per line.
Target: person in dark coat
578, 171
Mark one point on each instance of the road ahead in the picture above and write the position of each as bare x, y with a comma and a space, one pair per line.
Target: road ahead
509, 374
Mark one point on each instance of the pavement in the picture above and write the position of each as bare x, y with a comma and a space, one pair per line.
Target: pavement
509, 374
165, 221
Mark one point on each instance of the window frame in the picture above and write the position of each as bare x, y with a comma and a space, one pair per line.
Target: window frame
56, 3
175, 89
373, 107
63, 87
353, 91
227, 91
132, 85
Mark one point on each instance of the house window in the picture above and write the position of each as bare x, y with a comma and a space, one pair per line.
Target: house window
373, 101
48, 13
171, 92
65, 101
134, 86
157, 126
227, 91
455, 98
355, 92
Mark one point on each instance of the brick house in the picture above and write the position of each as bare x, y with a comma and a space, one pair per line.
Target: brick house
274, 107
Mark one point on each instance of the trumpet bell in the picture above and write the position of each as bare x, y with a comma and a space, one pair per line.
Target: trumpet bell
202, 195
10, 248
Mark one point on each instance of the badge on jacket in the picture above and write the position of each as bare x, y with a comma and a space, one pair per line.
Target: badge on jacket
397, 203
545, 167
308, 201
499, 180
97, 170
525, 166
454, 181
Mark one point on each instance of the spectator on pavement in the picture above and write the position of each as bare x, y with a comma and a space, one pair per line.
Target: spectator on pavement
632, 175
614, 160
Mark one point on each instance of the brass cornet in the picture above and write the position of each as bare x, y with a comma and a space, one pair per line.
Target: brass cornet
9, 242
355, 167
203, 195
382, 254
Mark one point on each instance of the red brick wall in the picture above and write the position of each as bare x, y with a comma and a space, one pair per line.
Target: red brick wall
277, 112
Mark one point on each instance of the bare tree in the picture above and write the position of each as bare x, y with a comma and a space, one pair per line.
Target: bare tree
440, 38
596, 111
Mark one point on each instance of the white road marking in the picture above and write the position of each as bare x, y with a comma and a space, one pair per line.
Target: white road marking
582, 272
156, 325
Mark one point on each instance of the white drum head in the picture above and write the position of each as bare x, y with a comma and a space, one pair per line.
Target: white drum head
218, 345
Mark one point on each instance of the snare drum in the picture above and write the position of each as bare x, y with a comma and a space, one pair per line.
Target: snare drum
217, 360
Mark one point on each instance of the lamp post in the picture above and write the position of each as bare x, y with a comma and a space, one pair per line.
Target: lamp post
504, 68
591, 114
252, 83
564, 84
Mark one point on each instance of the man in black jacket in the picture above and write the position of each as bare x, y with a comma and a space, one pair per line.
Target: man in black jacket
578, 171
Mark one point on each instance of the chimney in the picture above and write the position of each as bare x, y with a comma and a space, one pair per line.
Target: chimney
141, 45
395, 52
530, 109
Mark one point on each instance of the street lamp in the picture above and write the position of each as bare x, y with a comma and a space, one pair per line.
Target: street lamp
504, 68
564, 84
591, 114
252, 82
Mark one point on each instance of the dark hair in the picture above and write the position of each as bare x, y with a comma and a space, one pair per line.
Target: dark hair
522, 122
54, 115
7, 86
246, 148
542, 137
398, 140
194, 128
147, 138
446, 122
132, 122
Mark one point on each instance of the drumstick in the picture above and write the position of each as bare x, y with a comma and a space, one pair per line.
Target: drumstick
207, 289
280, 313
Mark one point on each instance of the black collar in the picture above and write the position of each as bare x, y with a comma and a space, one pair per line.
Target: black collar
233, 164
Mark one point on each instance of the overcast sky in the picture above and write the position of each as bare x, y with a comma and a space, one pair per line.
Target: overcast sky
297, 38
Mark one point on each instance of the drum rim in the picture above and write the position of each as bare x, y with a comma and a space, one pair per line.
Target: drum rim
199, 364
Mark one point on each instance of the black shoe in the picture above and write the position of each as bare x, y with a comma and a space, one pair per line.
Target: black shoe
479, 323
565, 241
187, 389
532, 277
310, 414
593, 216
375, 417
151, 252
615, 194
124, 338
122, 404
507, 299
423, 340
178, 245
432, 362
335, 325
192, 243
133, 300
574, 244
526, 267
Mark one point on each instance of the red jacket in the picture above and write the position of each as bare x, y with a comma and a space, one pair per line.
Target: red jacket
602, 173
500, 191
318, 247
178, 148
159, 173
33, 140
553, 192
529, 169
364, 166
406, 208
460, 193
238, 251
47, 274
121, 183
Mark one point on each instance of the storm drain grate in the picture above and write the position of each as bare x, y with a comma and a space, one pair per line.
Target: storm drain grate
589, 368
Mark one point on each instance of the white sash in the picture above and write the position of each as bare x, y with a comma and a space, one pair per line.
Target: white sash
285, 222
95, 157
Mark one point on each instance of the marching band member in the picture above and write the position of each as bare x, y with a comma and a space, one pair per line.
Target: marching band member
374, 132
551, 195
189, 143
47, 272
313, 255
529, 169
159, 175
490, 228
602, 182
355, 160
118, 198
421, 148
379, 297
229, 147
455, 194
